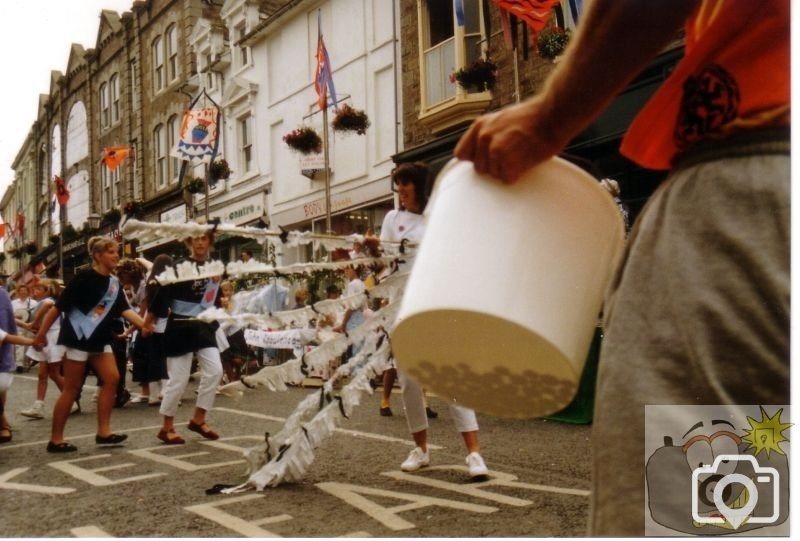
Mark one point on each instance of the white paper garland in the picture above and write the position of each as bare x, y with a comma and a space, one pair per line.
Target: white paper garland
149, 231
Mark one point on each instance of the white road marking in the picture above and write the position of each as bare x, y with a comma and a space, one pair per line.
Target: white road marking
40, 489
356, 496
89, 531
247, 528
496, 478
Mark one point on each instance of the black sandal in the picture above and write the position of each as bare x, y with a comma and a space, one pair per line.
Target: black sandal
62, 447
111, 439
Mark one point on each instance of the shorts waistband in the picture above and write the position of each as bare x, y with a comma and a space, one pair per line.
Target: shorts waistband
738, 145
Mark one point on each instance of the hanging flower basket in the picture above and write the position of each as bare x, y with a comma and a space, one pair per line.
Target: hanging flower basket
195, 185
30, 248
111, 217
134, 208
351, 119
219, 170
551, 42
304, 140
69, 232
477, 77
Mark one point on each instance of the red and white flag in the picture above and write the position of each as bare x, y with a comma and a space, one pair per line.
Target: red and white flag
62, 193
113, 156
323, 78
533, 12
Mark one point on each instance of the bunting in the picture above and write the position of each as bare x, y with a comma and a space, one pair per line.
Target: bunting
62, 193
323, 78
112, 157
533, 12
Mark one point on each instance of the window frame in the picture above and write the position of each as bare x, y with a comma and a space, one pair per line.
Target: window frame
160, 164
457, 107
171, 52
110, 187
157, 54
173, 163
114, 98
243, 54
245, 142
105, 113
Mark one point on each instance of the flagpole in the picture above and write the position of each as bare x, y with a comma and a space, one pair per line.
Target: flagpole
61, 242
328, 228
516, 76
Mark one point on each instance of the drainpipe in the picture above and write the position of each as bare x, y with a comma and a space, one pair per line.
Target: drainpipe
398, 124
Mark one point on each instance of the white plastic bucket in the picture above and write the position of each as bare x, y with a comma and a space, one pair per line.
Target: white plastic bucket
507, 286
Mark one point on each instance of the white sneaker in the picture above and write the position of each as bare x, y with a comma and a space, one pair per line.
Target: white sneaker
34, 412
417, 459
477, 467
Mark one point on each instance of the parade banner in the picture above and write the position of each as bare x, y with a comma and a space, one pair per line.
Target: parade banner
198, 137
293, 339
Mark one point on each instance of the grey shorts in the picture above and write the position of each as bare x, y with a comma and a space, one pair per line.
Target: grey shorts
697, 314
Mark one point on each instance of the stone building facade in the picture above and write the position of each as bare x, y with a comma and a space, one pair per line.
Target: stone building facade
433, 129
129, 90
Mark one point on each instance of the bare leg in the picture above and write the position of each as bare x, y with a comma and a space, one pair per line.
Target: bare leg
41, 380
73, 379
105, 366
54, 371
389, 377
421, 439
199, 416
471, 441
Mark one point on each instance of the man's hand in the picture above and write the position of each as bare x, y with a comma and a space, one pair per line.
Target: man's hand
507, 143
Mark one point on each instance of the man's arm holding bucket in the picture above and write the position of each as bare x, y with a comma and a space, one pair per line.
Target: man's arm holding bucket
616, 40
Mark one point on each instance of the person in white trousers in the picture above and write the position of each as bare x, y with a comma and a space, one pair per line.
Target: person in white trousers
407, 222
184, 336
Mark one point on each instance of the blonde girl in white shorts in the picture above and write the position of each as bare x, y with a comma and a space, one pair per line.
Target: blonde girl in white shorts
46, 292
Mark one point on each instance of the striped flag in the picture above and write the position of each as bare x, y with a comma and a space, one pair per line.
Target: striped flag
533, 12
323, 79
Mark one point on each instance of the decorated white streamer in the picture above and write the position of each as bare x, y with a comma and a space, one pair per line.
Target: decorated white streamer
148, 231
293, 463
186, 271
238, 268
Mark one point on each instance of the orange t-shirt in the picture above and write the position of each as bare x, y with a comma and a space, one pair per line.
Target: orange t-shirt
735, 76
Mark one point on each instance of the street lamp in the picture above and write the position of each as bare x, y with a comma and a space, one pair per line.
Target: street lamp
94, 220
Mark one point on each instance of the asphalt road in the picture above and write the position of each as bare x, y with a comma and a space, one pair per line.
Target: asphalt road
538, 483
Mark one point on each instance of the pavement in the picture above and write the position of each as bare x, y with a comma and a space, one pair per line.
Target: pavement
538, 483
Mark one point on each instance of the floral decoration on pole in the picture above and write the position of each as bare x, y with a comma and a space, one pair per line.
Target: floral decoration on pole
195, 185
134, 208
304, 140
477, 77
551, 42
350, 119
219, 170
